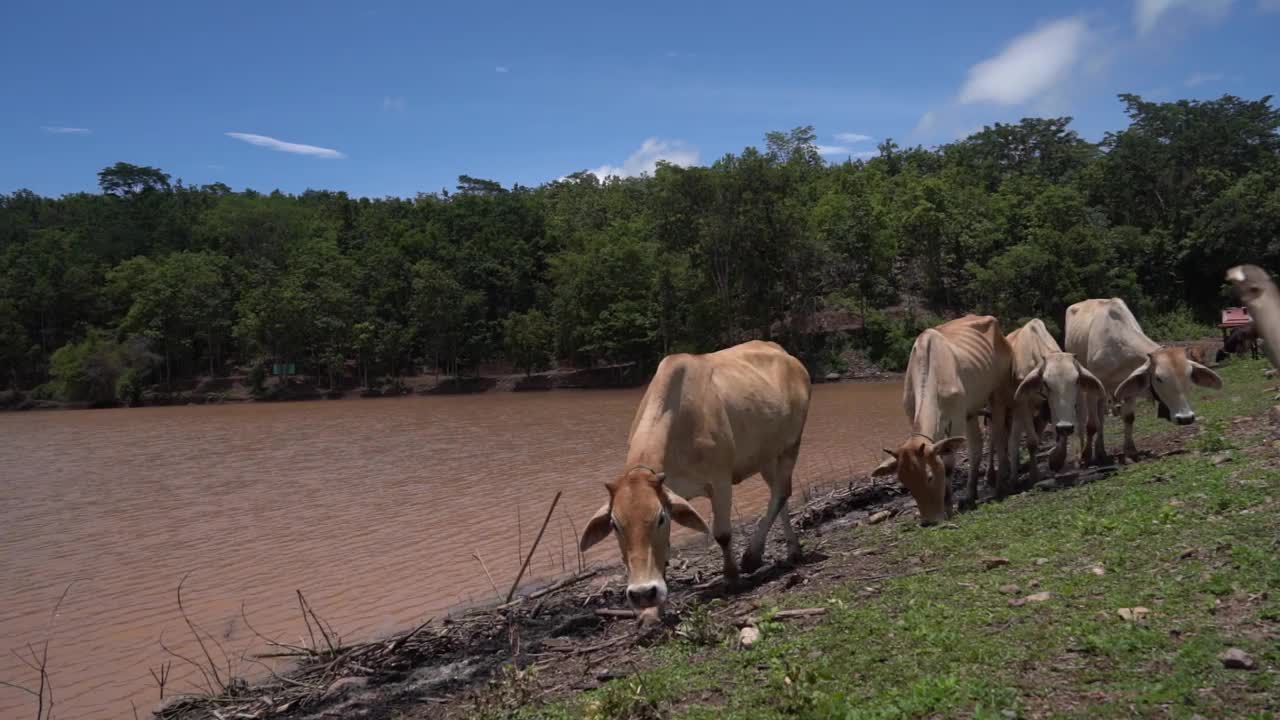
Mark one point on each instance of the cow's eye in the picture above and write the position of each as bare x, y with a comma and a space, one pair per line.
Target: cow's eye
613, 522
662, 518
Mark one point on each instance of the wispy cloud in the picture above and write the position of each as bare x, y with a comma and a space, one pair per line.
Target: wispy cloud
502, 69
394, 103
1147, 14
1197, 79
61, 130
1030, 67
852, 137
825, 150
282, 146
645, 160
927, 122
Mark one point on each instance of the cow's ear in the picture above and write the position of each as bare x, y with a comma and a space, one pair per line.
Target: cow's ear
1089, 382
1136, 384
1030, 383
597, 529
683, 513
1204, 377
888, 467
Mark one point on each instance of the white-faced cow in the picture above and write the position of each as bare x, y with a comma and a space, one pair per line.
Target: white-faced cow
1055, 383
705, 423
1259, 294
1107, 339
955, 371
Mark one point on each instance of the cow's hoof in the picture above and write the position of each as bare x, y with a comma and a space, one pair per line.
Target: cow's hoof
795, 557
968, 503
750, 562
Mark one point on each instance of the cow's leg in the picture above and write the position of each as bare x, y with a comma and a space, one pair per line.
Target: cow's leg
1024, 429
1099, 455
1003, 421
1130, 449
778, 476
722, 526
991, 452
973, 436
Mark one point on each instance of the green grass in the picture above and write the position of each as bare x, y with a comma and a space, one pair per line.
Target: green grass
948, 644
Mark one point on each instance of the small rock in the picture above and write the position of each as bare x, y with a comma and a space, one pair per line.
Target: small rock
607, 675
1237, 659
1098, 570
1033, 584
879, 517
1274, 415
833, 377
1046, 485
1269, 373
747, 637
1034, 598
344, 685
1133, 614
1010, 589
1221, 458
1042, 561
994, 562
1011, 714
1188, 553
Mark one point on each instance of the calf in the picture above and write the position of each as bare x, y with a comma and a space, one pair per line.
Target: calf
705, 423
955, 370
1108, 341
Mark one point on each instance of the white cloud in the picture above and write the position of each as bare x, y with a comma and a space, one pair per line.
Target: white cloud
825, 150
502, 69
1031, 66
645, 160
1148, 13
394, 103
60, 130
865, 153
928, 121
282, 146
1200, 78
850, 137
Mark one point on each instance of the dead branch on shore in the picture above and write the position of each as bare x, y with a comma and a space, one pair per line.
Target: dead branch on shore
39, 663
487, 574
511, 593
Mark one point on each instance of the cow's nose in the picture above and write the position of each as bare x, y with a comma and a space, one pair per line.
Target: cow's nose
1187, 419
1065, 428
643, 596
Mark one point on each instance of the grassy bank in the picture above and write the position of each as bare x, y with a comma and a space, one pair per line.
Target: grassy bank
1185, 544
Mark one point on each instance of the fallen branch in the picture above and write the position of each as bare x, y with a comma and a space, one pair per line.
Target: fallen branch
615, 613
511, 593
799, 613
551, 588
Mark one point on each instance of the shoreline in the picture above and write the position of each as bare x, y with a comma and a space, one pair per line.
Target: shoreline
233, 389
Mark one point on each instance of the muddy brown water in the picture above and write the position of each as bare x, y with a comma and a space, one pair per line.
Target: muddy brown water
371, 508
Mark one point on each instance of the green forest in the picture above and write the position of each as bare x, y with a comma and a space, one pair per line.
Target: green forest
152, 282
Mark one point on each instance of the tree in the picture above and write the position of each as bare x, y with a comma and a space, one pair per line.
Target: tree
528, 338
126, 180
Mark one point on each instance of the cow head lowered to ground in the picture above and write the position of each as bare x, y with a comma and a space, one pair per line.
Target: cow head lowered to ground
920, 466
1061, 380
1168, 375
640, 512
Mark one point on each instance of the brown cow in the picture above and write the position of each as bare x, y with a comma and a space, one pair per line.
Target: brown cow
706, 423
955, 370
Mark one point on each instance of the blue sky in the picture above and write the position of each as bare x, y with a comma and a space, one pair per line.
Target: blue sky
398, 98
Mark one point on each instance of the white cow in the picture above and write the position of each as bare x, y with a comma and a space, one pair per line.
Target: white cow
706, 423
1051, 379
1107, 339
